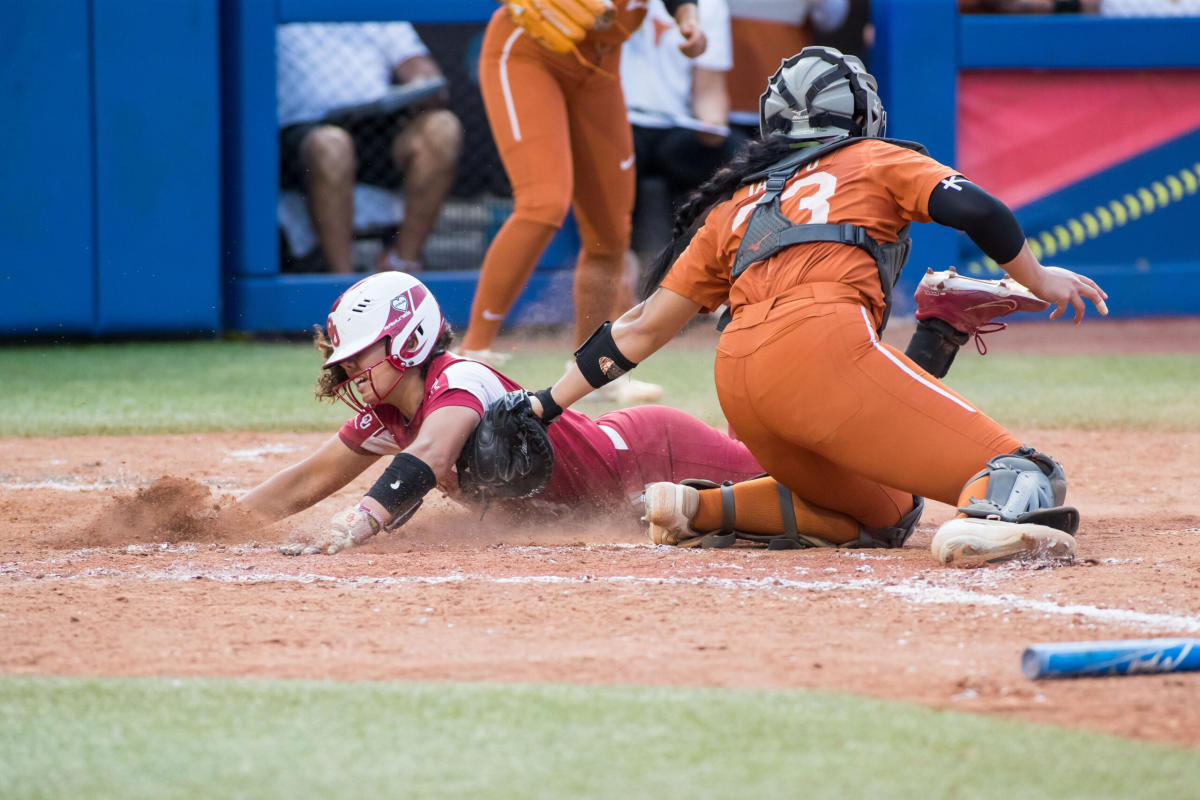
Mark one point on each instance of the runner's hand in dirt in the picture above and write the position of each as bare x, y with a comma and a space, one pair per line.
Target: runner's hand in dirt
348, 528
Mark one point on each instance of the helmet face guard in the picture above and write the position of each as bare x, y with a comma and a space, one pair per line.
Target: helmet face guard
820, 93
348, 392
391, 305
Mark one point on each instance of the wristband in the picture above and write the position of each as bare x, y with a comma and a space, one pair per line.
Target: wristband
550, 408
402, 486
599, 358
1068, 6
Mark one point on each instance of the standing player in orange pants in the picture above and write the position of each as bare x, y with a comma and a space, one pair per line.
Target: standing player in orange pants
559, 122
804, 235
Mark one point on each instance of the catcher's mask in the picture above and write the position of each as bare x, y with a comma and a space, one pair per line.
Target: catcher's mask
390, 305
820, 93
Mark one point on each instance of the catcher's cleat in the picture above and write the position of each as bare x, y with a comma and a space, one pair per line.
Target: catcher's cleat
973, 542
971, 305
669, 510
489, 357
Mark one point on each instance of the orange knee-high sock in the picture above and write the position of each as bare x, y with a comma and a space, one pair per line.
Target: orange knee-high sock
976, 487
506, 268
756, 510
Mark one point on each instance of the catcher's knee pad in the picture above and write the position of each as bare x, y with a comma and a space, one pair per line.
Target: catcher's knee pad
1025, 486
893, 535
727, 536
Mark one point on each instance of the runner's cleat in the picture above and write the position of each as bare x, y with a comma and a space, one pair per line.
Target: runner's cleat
973, 542
971, 305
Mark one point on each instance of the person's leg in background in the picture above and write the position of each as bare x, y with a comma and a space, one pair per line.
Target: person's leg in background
527, 113
602, 148
329, 166
426, 153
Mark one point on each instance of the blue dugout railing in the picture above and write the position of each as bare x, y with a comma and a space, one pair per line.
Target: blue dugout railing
138, 192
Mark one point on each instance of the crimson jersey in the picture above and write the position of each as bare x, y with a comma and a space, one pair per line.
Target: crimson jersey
585, 463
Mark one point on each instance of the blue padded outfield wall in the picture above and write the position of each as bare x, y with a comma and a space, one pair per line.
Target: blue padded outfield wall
110, 197
138, 182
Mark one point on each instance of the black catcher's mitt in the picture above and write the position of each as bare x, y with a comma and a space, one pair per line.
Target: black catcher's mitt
508, 454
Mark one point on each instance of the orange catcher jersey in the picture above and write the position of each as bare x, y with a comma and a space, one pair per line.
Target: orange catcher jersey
874, 184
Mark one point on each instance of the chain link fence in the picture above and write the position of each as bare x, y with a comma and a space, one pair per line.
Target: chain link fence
480, 199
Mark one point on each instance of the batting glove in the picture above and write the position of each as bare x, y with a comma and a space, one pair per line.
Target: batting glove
348, 528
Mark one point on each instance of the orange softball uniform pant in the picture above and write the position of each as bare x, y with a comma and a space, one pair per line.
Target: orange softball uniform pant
564, 139
845, 421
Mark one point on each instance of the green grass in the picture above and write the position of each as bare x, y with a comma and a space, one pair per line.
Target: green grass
176, 387
162, 738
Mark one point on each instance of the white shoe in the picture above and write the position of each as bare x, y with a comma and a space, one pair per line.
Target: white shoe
669, 510
489, 357
970, 542
629, 392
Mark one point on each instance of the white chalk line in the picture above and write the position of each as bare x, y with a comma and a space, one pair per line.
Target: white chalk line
907, 591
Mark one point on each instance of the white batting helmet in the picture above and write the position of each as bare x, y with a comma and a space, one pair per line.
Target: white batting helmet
388, 304
820, 93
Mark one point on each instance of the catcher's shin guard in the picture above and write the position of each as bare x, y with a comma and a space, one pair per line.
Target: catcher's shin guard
1024, 487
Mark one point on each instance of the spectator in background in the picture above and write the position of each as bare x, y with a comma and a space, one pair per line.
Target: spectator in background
329, 139
679, 110
765, 32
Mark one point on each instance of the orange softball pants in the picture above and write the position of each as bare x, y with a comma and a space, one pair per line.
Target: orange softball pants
845, 421
564, 139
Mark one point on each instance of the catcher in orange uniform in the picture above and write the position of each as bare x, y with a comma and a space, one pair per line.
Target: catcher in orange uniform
804, 235
549, 72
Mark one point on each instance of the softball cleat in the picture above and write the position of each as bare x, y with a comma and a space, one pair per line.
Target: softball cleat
974, 542
489, 357
971, 305
670, 508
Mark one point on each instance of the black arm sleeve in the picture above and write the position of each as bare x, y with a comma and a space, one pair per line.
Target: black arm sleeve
673, 5
958, 203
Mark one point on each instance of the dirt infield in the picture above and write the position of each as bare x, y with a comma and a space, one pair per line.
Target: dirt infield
87, 587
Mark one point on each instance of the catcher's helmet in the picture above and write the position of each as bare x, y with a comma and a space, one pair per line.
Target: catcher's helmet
394, 305
820, 93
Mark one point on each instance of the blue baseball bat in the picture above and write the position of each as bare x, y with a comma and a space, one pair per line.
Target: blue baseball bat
1119, 657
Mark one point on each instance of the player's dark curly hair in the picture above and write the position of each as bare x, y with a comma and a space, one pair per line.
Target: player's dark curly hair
335, 374
754, 155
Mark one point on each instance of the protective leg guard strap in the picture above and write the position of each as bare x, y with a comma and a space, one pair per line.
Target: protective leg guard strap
599, 358
895, 535
933, 346
725, 537
1026, 486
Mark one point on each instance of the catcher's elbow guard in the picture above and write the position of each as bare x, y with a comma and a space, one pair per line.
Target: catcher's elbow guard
1025, 486
402, 487
599, 358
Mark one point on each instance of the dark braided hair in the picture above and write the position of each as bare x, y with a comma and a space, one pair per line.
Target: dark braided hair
754, 155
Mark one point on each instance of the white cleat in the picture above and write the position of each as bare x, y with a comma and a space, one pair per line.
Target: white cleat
489, 357
626, 391
669, 510
972, 542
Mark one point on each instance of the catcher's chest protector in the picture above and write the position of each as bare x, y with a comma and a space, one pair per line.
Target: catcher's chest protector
768, 231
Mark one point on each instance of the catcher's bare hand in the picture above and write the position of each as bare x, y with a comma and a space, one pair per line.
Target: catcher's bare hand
1062, 287
348, 528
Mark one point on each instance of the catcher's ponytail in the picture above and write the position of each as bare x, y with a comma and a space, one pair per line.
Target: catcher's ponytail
752, 157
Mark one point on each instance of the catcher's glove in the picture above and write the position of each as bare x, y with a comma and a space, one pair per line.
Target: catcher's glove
560, 24
508, 454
